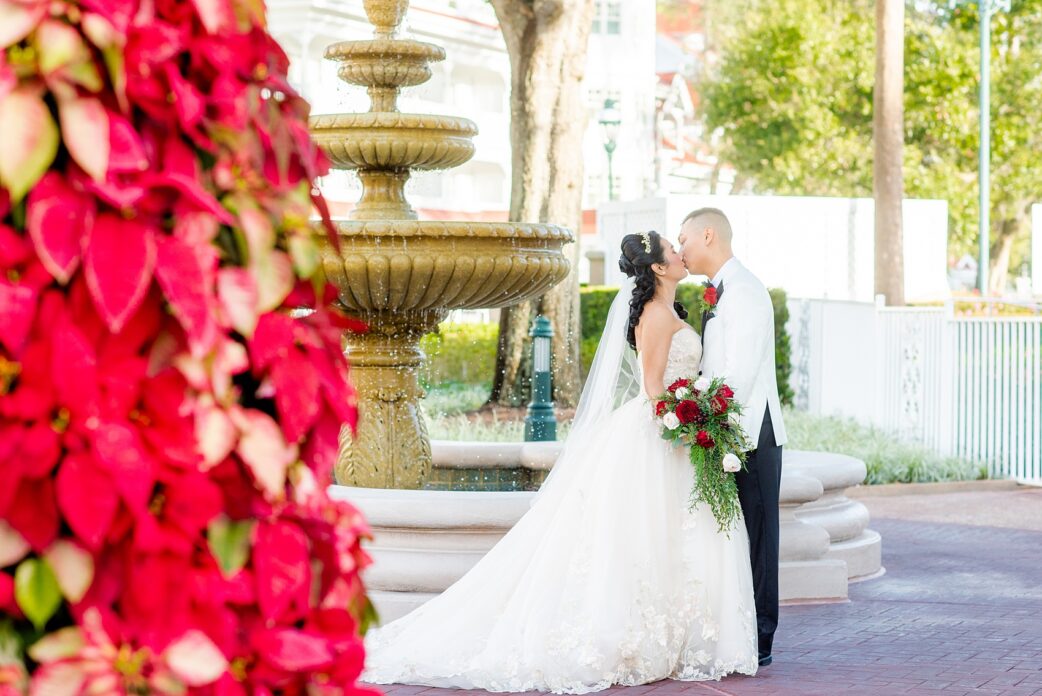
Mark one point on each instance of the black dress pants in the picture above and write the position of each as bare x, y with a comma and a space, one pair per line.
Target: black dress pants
758, 493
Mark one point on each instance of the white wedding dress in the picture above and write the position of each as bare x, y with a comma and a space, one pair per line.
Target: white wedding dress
608, 579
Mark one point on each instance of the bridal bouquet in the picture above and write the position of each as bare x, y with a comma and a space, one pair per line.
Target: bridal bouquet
703, 415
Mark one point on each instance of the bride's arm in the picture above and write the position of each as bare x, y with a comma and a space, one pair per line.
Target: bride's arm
657, 325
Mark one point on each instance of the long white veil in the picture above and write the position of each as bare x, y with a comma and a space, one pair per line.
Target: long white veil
613, 380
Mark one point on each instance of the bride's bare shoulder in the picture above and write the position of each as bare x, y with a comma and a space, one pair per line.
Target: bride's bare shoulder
655, 320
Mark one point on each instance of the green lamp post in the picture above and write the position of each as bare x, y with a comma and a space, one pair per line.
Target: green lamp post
540, 422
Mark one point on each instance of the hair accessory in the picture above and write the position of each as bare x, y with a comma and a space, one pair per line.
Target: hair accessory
646, 237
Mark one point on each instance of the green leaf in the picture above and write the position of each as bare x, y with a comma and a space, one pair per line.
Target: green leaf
230, 543
36, 590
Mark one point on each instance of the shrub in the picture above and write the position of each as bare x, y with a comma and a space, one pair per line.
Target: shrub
888, 459
460, 354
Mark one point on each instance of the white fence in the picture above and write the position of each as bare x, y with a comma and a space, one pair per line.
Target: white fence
968, 387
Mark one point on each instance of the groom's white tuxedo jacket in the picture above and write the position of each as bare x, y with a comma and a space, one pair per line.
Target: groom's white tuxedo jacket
739, 347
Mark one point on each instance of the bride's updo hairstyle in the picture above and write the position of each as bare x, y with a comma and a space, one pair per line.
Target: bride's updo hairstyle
640, 252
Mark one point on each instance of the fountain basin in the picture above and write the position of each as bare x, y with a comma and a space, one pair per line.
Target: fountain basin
420, 265
393, 140
426, 540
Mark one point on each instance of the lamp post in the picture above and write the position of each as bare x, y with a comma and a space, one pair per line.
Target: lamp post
610, 119
540, 422
987, 8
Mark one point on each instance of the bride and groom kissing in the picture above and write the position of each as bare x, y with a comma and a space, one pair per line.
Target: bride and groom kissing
613, 576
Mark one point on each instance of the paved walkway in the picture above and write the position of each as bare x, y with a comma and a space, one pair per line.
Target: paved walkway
959, 611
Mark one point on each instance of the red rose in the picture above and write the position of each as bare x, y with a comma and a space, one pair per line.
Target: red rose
688, 412
661, 408
704, 440
710, 296
678, 384
719, 405
725, 392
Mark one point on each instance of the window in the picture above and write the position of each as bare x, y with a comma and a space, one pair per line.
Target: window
607, 17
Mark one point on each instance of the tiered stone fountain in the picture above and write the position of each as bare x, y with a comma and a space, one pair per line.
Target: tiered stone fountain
401, 275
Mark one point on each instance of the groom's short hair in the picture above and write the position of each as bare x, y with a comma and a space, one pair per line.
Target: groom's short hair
714, 218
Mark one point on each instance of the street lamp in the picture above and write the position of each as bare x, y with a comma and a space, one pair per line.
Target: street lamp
610, 120
987, 8
540, 423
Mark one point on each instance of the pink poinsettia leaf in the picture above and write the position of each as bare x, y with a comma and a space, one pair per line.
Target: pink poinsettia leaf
28, 140
237, 291
195, 659
59, 222
17, 309
293, 650
58, 679
188, 287
13, 546
215, 432
87, 498
264, 450
18, 18
215, 14
119, 450
85, 130
73, 568
297, 397
8, 78
120, 259
283, 568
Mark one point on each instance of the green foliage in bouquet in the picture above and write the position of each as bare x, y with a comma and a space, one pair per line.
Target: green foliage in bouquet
703, 415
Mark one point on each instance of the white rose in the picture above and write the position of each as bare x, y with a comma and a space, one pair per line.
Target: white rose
671, 421
702, 383
682, 393
732, 463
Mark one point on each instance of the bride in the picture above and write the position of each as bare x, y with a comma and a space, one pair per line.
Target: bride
609, 578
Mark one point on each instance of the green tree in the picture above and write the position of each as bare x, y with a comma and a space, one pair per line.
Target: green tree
792, 95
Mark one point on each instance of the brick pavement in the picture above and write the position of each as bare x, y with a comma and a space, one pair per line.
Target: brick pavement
959, 611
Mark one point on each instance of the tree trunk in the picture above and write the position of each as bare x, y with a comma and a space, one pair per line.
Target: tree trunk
1008, 229
888, 140
546, 41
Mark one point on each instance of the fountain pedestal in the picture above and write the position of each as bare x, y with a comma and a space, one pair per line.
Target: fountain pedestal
400, 275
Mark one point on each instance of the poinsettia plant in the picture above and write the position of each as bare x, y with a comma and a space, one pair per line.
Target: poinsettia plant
169, 418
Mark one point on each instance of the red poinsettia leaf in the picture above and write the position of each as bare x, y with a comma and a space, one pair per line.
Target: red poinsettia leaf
187, 99
283, 568
127, 152
87, 498
18, 18
17, 308
34, 512
296, 395
188, 287
120, 259
40, 450
59, 221
293, 650
8, 81
118, 448
85, 131
74, 368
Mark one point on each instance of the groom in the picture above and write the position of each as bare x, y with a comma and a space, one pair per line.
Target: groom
738, 346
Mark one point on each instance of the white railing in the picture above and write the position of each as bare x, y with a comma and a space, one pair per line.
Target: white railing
968, 387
